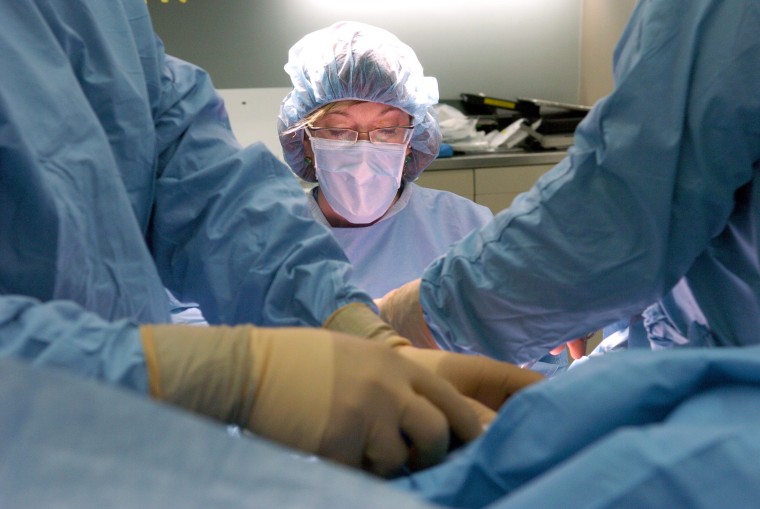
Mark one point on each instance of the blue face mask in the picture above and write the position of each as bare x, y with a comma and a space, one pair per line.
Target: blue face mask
359, 180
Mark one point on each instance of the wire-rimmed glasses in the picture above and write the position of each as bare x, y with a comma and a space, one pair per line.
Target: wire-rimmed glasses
397, 134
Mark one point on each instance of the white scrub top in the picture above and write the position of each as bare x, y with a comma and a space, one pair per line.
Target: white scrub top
418, 228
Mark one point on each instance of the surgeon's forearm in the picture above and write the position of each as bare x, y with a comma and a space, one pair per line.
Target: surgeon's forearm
61, 334
213, 246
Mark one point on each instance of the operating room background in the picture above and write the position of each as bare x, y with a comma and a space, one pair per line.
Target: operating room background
559, 50
503, 48
550, 49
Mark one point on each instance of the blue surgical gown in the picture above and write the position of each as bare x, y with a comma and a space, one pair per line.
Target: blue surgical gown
120, 176
661, 185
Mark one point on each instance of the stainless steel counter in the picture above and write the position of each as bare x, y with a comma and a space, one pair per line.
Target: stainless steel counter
463, 162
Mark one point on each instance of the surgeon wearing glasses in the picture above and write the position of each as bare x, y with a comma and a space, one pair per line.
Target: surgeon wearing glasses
359, 149
360, 123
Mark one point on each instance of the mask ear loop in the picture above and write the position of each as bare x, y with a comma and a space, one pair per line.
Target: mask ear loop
407, 160
310, 165
309, 162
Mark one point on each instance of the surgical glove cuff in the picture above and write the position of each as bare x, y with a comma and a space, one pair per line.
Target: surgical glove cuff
401, 308
204, 370
245, 375
359, 320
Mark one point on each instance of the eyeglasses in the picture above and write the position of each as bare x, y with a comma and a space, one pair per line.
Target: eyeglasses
397, 134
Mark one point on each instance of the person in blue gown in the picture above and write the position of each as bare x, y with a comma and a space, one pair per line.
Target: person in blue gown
121, 178
654, 214
634, 429
654, 211
353, 82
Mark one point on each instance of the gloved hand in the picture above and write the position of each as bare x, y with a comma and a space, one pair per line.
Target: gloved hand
401, 308
485, 381
576, 347
341, 397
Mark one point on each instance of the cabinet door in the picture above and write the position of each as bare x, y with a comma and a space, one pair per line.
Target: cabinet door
497, 187
457, 181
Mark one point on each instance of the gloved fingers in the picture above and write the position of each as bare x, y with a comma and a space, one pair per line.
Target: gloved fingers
373, 388
387, 451
426, 429
393, 434
463, 422
577, 347
557, 349
344, 440
485, 414
486, 380
366, 434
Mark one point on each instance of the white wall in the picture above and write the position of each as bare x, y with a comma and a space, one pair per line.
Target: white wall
554, 49
253, 114
603, 22
504, 48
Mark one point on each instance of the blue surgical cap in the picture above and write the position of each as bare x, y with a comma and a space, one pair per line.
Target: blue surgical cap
356, 61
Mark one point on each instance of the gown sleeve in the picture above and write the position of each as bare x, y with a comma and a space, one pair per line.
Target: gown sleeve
648, 184
60, 334
232, 230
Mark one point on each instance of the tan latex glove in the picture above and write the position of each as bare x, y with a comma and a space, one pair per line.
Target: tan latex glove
301, 387
576, 347
487, 382
401, 308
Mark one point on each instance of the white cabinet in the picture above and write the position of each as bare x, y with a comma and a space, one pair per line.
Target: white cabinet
497, 187
493, 187
461, 182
